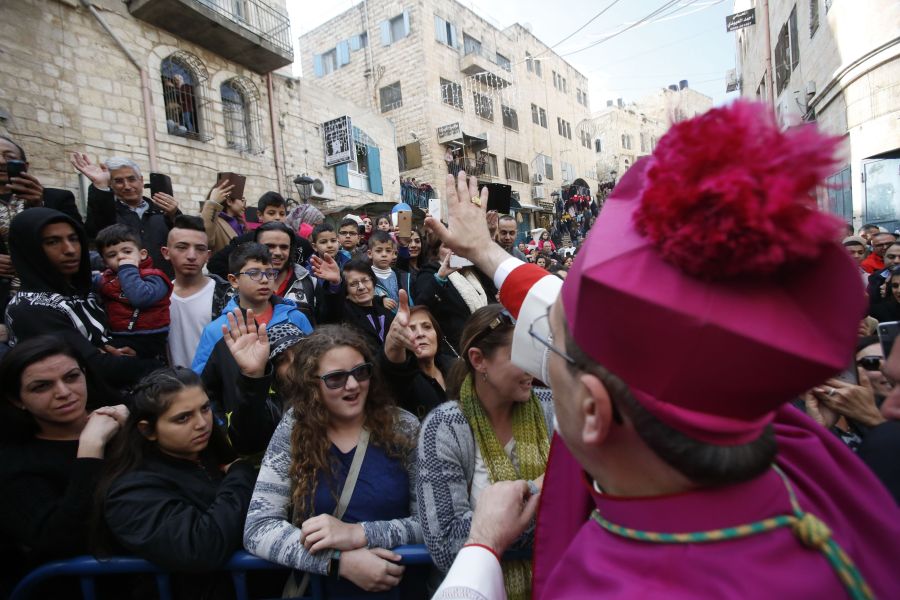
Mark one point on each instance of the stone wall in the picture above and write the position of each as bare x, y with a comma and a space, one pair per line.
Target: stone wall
67, 87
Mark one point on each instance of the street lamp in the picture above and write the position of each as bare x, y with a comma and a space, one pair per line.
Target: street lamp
302, 183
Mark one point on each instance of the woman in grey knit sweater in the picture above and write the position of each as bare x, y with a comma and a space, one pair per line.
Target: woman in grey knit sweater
337, 394
499, 429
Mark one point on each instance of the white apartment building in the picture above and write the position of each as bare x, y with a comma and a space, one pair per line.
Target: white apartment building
186, 88
624, 132
461, 93
836, 62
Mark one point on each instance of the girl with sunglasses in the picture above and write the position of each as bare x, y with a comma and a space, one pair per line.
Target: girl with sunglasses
173, 492
498, 430
342, 430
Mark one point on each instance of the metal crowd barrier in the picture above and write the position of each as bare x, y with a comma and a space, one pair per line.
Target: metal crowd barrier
88, 568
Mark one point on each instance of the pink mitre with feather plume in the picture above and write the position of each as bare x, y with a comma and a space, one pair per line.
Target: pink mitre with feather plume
729, 194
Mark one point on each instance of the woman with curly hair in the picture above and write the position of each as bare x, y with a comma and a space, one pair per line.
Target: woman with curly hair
300, 514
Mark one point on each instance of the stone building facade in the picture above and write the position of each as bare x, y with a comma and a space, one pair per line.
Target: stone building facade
461, 93
624, 132
68, 86
837, 63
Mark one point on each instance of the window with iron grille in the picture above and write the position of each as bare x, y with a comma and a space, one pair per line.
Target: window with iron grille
484, 106
236, 111
510, 118
451, 93
182, 79
391, 97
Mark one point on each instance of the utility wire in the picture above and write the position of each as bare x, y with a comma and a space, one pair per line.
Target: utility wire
592, 19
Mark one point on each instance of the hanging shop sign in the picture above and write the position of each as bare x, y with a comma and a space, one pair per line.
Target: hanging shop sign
745, 18
338, 136
447, 133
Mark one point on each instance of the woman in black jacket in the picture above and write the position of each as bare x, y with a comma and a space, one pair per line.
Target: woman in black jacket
451, 294
361, 307
52, 451
889, 308
172, 492
414, 361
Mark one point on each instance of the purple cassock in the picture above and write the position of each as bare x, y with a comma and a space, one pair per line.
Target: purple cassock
574, 557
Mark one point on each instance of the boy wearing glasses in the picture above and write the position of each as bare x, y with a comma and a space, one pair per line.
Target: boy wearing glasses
253, 278
348, 236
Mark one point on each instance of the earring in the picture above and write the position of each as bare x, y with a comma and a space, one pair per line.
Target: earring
484, 375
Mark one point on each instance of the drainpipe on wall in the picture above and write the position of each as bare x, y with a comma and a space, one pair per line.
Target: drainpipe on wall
145, 84
770, 77
279, 168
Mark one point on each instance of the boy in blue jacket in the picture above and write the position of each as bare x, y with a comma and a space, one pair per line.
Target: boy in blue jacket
253, 277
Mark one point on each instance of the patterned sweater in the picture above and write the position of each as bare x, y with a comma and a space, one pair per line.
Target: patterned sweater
269, 534
446, 469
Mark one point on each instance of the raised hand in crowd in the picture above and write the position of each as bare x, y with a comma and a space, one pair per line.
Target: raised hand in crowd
400, 337
372, 569
221, 192
445, 269
493, 222
101, 426
324, 531
98, 174
27, 187
247, 342
855, 402
326, 269
166, 203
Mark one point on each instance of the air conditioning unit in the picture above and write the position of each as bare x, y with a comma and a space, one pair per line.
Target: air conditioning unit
537, 191
320, 190
537, 178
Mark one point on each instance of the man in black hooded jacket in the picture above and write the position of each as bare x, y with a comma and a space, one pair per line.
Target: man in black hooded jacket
50, 254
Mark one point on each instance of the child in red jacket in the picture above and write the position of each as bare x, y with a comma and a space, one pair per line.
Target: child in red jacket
136, 295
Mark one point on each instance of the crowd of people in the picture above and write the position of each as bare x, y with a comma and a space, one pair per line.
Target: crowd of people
180, 387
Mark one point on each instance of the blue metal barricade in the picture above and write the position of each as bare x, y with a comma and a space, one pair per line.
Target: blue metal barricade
88, 568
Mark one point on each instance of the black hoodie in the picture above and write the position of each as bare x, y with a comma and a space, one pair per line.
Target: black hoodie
49, 304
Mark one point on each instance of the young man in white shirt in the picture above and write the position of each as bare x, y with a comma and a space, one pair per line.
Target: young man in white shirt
196, 298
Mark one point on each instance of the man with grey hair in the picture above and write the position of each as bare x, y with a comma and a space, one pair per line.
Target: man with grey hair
116, 195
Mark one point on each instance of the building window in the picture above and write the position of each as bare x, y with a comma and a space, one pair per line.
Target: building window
471, 45
581, 96
239, 108
358, 42
516, 171
182, 78
364, 171
813, 16
503, 62
445, 32
484, 106
787, 52
535, 117
391, 97
544, 166
555, 80
331, 60
451, 93
538, 69
644, 142
568, 171
564, 128
626, 142
490, 165
598, 145
585, 138
510, 118
409, 156
394, 30
529, 62
559, 82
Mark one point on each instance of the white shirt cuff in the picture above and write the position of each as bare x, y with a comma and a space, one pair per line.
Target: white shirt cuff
505, 268
475, 575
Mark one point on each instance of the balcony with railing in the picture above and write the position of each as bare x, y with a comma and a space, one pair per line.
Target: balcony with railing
485, 66
252, 33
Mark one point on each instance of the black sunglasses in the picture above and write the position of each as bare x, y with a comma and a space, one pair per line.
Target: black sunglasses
335, 380
870, 363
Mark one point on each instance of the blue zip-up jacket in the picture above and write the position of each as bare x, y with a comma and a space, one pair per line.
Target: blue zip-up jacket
284, 310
